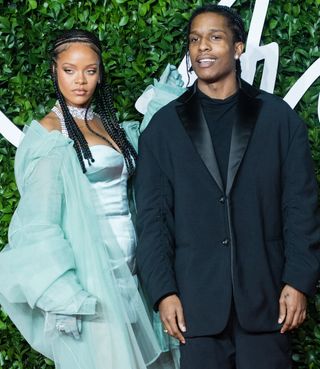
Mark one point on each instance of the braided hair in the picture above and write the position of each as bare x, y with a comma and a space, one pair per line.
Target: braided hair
102, 99
235, 23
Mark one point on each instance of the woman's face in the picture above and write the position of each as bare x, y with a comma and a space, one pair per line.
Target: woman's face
77, 73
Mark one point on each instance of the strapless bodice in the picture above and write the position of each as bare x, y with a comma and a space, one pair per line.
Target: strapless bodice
108, 178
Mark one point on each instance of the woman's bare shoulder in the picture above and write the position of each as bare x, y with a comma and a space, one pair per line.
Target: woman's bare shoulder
51, 122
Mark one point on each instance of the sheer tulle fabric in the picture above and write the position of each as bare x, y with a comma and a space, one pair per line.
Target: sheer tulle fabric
56, 262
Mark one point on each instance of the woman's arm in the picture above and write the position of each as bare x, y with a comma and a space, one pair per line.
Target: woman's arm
168, 88
38, 265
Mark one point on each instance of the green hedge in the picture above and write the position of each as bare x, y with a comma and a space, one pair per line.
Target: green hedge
140, 38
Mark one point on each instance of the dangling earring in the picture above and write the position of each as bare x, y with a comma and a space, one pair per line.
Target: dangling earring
190, 69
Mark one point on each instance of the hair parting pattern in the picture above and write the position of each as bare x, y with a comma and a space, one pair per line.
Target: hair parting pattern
235, 22
102, 100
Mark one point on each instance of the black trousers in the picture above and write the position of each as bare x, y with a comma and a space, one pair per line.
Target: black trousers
235, 348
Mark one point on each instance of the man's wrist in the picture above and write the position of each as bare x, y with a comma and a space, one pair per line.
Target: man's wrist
156, 305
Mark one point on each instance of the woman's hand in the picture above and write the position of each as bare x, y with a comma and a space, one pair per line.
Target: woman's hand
69, 324
171, 77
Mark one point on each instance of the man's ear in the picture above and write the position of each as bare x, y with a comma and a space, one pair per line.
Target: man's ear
238, 49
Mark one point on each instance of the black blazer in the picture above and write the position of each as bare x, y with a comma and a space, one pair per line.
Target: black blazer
207, 244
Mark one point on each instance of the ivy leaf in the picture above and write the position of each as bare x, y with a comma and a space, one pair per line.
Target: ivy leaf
124, 21
33, 4
273, 23
143, 9
69, 23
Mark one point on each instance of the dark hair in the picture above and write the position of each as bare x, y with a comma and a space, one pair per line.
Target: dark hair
235, 23
102, 99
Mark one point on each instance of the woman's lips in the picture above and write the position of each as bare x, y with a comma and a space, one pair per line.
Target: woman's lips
79, 92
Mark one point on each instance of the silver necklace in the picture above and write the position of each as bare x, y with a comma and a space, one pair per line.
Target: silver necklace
78, 113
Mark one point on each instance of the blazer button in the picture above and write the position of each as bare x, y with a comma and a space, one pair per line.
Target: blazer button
225, 242
222, 200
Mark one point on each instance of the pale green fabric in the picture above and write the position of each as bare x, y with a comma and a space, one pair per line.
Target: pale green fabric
56, 256
56, 262
163, 94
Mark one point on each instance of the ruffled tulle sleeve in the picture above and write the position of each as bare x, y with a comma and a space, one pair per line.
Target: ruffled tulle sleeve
154, 97
132, 130
38, 266
162, 94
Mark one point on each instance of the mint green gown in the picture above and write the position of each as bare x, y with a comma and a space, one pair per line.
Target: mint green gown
71, 251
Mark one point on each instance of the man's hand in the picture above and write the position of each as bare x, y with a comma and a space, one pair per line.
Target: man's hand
293, 307
171, 314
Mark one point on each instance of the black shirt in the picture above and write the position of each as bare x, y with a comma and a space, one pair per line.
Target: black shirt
220, 116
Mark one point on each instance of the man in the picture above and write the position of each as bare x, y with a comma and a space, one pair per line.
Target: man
227, 210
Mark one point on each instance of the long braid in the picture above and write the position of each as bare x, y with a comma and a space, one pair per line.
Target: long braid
103, 103
74, 132
111, 125
235, 22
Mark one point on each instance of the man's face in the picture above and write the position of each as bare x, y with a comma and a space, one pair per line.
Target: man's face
212, 50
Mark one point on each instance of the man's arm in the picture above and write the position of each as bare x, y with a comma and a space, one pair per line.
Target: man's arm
155, 251
301, 228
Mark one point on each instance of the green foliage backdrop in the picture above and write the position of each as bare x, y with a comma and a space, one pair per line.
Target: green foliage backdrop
140, 38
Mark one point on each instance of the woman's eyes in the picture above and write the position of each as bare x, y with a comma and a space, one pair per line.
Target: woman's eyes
91, 72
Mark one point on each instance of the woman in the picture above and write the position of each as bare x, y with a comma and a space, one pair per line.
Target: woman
68, 274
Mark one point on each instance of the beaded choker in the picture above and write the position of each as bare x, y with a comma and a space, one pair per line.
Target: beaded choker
79, 113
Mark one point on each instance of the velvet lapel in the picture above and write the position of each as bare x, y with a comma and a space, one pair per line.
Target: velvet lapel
247, 114
194, 122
